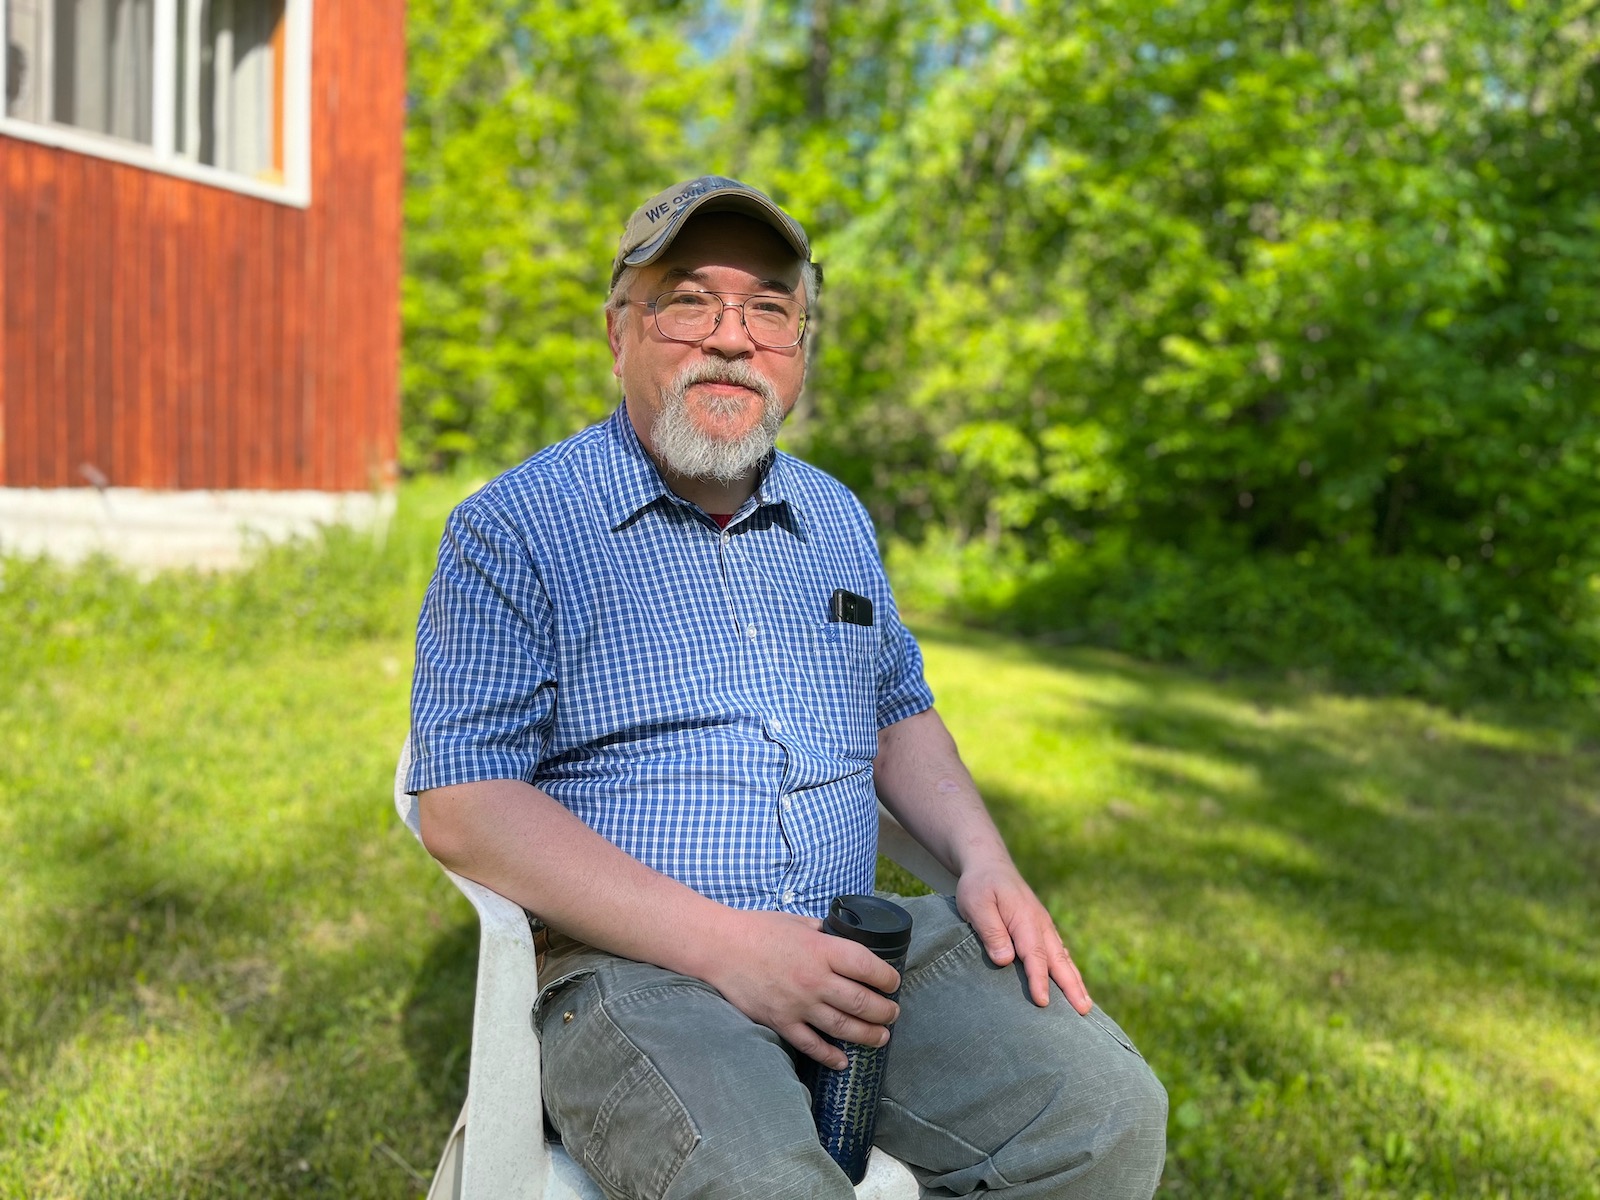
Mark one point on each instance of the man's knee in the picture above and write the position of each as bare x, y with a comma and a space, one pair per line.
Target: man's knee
1126, 1151
1135, 1149
1054, 1104
1106, 1141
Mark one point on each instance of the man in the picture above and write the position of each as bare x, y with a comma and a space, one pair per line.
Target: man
660, 677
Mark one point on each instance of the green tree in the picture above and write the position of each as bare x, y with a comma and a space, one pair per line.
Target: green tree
1183, 291
534, 127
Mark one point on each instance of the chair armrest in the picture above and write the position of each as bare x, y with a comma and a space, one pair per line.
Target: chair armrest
504, 1153
897, 845
500, 919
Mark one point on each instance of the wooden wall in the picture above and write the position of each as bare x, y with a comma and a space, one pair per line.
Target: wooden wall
170, 334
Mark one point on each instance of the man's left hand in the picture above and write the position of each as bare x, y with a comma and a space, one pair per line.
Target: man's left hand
995, 900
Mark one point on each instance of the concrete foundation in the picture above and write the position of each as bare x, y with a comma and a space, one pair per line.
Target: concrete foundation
153, 529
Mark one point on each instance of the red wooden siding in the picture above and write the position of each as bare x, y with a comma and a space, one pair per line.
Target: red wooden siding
170, 334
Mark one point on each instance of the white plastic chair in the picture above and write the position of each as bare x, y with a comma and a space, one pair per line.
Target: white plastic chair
506, 1156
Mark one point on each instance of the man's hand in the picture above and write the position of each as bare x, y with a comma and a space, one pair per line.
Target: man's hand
995, 900
783, 972
923, 782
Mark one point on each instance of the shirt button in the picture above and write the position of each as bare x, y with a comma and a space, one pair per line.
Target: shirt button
751, 633
786, 803
788, 897
777, 727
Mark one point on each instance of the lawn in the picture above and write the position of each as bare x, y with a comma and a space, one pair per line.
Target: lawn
1357, 937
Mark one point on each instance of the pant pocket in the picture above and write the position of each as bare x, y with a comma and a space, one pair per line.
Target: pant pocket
616, 1115
550, 994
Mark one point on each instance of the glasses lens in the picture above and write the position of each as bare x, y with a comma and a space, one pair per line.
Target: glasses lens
771, 321
687, 316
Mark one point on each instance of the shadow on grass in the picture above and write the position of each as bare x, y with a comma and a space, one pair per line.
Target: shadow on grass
1414, 846
1473, 892
1390, 822
127, 912
354, 1118
437, 1018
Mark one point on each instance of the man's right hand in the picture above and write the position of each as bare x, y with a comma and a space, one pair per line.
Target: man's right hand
784, 972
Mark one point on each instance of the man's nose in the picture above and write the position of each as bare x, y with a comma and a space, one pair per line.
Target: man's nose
730, 338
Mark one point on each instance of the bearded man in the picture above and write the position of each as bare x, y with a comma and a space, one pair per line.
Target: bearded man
661, 682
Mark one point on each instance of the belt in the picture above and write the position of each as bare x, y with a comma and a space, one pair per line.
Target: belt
541, 944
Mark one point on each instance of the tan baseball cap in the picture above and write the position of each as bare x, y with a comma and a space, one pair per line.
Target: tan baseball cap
659, 219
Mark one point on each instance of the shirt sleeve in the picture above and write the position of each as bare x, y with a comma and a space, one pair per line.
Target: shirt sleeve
902, 690
484, 689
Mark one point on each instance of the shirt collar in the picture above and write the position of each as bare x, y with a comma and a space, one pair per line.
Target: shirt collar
636, 484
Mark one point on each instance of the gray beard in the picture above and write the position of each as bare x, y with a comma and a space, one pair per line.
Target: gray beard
685, 450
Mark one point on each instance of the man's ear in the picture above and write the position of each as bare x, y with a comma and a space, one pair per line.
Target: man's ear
614, 339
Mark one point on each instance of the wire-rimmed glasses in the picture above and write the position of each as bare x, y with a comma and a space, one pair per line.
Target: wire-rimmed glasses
773, 322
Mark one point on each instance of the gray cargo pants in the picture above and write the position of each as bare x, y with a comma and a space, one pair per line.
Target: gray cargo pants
662, 1089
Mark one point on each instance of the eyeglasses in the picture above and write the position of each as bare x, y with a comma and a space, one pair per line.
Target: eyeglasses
773, 322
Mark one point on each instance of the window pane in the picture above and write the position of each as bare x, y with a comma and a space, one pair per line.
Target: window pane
230, 86
84, 63
30, 39
89, 64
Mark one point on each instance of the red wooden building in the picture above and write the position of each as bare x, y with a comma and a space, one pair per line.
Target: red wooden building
199, 263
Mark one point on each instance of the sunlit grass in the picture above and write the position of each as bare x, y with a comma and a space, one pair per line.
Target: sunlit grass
1355, 936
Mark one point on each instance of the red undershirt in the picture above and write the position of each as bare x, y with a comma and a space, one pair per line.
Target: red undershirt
721, 519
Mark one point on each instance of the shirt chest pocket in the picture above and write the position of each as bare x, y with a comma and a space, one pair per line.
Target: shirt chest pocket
846, 681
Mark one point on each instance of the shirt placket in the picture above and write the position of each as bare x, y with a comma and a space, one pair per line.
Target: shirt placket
758, 628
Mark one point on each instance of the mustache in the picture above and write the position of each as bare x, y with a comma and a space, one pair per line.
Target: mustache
717, 370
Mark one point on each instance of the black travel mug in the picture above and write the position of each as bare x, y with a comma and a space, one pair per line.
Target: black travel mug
844, 1103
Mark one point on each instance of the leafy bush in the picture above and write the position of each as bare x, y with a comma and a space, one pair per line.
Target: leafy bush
1396, 624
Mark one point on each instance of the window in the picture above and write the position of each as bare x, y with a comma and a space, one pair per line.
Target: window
84, 63
198, 86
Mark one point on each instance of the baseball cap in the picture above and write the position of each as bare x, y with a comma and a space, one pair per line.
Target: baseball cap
659, 219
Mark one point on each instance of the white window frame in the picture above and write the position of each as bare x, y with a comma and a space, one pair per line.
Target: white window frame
162, 156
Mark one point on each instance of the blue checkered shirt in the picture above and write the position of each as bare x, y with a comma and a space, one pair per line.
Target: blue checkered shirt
680, 688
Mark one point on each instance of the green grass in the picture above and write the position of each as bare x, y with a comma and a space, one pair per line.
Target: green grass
1356, 937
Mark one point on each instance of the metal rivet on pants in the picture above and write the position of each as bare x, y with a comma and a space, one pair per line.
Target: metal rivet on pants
566, 1017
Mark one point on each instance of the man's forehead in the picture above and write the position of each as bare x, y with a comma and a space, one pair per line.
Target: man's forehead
732, 240
707, 277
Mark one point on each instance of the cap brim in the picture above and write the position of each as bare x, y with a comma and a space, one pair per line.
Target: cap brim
721, 201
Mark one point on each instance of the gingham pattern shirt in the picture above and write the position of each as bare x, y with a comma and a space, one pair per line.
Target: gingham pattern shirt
678, 687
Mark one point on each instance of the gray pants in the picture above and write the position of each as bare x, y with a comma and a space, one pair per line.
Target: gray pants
661, 1088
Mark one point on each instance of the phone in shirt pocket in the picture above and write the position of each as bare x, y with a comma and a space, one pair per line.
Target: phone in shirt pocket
850, 626
847, 608
846, 674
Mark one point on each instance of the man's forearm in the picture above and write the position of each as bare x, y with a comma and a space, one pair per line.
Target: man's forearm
777, 968
522, 843
923, 782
